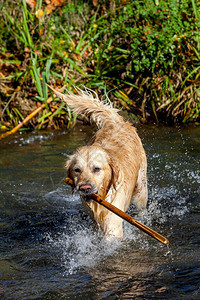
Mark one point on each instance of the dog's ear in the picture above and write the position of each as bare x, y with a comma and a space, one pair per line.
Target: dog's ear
68, 165
115, 173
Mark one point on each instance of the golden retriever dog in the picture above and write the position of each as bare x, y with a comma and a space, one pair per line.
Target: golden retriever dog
113, 165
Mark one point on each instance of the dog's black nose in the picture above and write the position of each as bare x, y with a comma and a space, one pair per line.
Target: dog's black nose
85, 188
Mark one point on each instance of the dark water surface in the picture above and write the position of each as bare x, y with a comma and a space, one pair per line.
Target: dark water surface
49, 247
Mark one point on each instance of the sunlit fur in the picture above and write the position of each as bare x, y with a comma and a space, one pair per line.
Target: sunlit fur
113, 165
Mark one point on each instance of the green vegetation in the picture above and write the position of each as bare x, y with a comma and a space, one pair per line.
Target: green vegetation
143, 55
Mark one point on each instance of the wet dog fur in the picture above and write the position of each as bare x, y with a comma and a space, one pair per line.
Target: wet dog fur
113, 165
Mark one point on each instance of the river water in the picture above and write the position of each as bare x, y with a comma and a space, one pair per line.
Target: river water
49, 247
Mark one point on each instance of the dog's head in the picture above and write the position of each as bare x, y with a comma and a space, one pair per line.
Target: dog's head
92, 170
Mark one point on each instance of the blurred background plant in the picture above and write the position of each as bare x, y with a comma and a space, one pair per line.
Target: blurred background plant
143, 55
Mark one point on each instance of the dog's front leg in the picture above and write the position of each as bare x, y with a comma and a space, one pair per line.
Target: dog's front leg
112, 226
110, 223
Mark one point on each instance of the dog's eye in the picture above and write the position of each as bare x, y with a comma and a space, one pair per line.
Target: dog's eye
96, 170
77, 170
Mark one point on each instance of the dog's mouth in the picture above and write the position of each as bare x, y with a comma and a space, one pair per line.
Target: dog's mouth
86, 198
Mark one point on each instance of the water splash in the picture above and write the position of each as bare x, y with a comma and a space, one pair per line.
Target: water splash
83, 249
80, 246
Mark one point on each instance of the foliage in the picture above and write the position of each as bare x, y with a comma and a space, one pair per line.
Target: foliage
145, 53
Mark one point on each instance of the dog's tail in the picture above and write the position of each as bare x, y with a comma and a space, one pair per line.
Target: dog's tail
87, 102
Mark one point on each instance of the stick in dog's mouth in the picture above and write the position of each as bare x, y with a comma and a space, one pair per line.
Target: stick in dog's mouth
123, 215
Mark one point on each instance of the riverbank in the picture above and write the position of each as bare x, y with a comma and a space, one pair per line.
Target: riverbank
144, 56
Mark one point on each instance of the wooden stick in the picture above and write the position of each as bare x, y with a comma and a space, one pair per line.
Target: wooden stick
124, 216
29, 117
